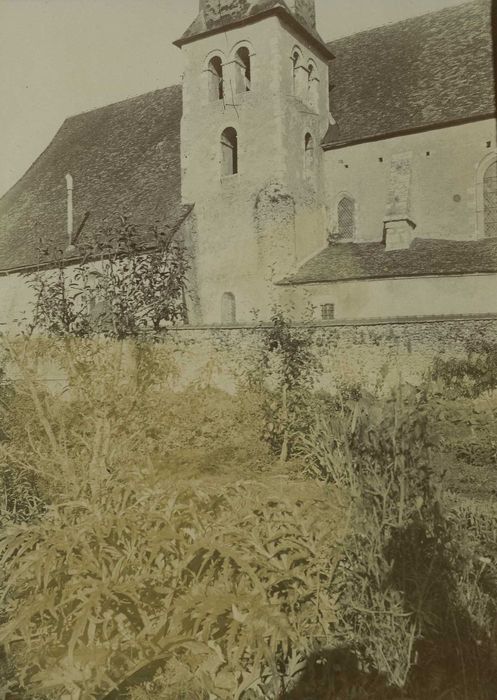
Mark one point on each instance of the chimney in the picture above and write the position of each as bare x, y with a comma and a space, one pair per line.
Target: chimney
398, 233
71, 249
70, 216
398, 223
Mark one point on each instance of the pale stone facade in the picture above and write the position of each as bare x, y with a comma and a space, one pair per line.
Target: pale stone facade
253, 225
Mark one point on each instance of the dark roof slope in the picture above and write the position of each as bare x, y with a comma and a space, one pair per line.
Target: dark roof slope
124, 158
425, 257
423, 71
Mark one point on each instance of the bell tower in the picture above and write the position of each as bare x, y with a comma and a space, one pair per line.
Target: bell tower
255, 110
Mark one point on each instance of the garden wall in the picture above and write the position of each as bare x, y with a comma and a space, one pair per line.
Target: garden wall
350, 352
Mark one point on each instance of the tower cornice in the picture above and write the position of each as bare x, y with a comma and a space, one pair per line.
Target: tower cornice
277, 11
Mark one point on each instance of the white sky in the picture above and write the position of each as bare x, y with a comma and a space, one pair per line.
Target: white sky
62, 57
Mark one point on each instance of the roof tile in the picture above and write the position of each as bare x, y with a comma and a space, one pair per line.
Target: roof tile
427, 70
425, 257
124, 158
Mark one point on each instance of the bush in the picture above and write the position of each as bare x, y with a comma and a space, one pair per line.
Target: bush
472, 375
232, 585
412, 576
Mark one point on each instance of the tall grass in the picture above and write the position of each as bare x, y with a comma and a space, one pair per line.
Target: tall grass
130, 565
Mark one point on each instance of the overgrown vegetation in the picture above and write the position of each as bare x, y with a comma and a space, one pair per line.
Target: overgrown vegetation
128, 281
157, 543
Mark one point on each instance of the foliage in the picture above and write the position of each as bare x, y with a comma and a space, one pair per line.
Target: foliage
231, 584
126, 283
92, 544
409, 563
472, 375
283, 375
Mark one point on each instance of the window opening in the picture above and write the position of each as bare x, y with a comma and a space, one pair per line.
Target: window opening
228, 308
328, 312
346, 218
312, 86
216, 85
229, 152
244, 70
309, 154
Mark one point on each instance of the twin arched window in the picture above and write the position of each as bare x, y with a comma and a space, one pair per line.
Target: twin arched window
305, 79
229, 152
217, 79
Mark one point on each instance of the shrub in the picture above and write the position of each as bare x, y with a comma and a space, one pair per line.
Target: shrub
410, 570
128, 281
231, 585
472, 375
283, 374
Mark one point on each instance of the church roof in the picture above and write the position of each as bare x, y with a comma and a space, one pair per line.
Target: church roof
425, 257
124, 158
422, 72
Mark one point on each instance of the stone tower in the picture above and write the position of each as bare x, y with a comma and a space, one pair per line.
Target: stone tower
255, 109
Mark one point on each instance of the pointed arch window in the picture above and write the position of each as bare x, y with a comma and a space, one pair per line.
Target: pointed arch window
490, 201
308, 155
244, 70
215, 77
228, 308
229, 152
345, 219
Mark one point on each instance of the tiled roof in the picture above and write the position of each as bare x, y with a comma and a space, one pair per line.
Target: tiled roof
425, 257
427, 70
228, 15
249, 10
124, 158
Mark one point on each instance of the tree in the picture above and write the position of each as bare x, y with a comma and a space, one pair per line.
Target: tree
125, 284
287, 367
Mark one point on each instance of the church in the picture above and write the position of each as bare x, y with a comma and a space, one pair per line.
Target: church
350, 180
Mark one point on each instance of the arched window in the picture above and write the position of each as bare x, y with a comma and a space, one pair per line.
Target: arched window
308, 155
215, 77
298, 73
228, 308
490, 200
295, 63
243, 73
345, 219
312, 86
229, 152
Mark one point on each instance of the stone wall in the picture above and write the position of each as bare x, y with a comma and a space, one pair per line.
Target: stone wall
367, 353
